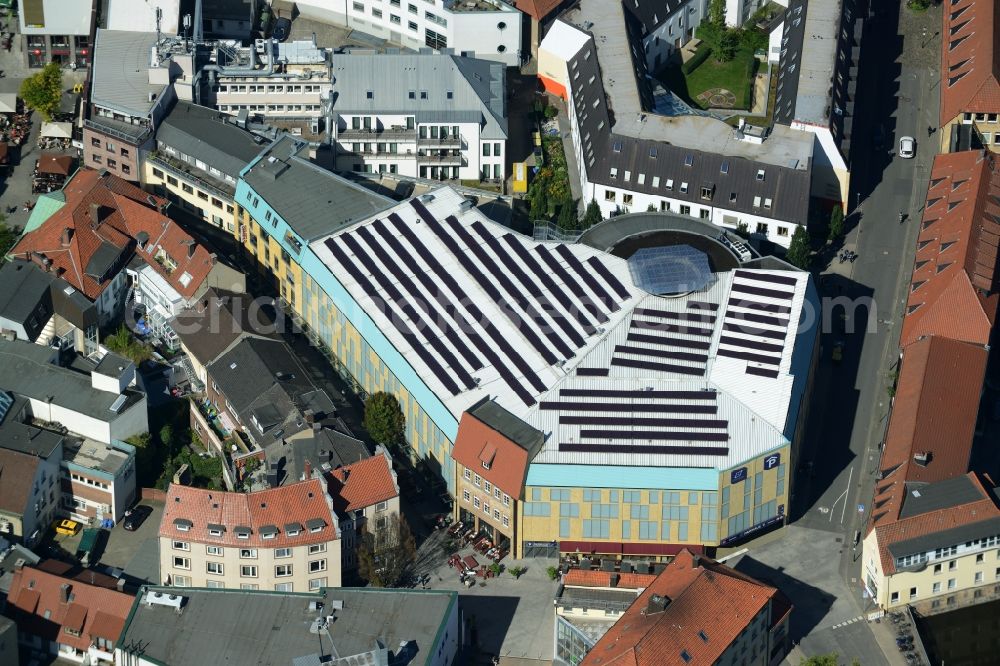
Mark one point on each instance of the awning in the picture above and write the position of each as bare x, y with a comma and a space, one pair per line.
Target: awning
57, 130
8, 102
659, 548
587, 547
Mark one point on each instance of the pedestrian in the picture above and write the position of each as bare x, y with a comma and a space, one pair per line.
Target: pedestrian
930, 130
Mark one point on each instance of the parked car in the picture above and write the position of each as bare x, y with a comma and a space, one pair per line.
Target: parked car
907, 147
66, 526
135, 517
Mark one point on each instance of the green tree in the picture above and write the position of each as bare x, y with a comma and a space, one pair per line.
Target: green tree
567, 214
122, 342
43, 91
831, 659
539, 208
385, 555
517, 572
836, 223
727, 46
717, 12
592, 215
743, 230
8, 238
167, 436
383, 418
799, 254
552, 573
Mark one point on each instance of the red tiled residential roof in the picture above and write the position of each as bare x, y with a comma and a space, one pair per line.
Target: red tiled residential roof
362, 484
954, 272
704, 596
969, 58
586, 578
934, 521
95, 611
934, 412
125, 212
509, 465
295, 503
17, 474
537, 9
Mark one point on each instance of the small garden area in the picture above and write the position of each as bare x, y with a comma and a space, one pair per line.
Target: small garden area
171, 444
720, 75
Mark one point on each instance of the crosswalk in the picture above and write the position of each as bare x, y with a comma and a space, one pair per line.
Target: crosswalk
859, 618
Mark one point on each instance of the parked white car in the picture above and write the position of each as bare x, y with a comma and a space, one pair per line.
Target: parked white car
907, 147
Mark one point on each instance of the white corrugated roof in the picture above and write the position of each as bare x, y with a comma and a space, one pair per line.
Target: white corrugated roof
559, 335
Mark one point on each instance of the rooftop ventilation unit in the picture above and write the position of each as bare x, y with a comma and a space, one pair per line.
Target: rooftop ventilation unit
174, 601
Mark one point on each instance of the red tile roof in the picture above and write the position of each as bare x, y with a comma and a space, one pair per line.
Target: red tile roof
585, 578
17, 474
935, 521
295, 503
362, 484
95, 611
537, 9
954, 273
508, 464
934, 412
704, 596
970, 58
126, 211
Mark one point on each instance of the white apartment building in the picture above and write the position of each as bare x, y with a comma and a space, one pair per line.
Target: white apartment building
283, 539
490, 28
420, 115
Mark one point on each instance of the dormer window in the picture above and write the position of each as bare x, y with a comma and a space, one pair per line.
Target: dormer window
689, 160
486, 464
760, 174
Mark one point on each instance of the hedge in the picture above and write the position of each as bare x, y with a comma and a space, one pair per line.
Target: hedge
748, 91
700, 56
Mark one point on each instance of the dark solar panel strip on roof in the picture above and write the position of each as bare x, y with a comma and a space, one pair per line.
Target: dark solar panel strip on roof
429, 336
758, 291
609, 277
768, 277
550, 284
762, 372
593, 372
747, 356
609, 303
663, 314
619, 408
434, 290
757, 305
653, 365
670, 328
394, 318
636, 421
656, 435
627, 393
750, 344
702, 305
484, 348
572, 285
542, 303
501, 343
670, 342
661, 353
652, 448
752, 330
756, 318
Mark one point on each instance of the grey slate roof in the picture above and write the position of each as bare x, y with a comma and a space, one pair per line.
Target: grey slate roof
477, 85
942, 538
510, 426
121, 71
926, 497
15, 435
22, 286
253, 367
26, 368
217, 321
204, 134
273, 627
314, 202
112, 365
325, 446
653, 13
621, 143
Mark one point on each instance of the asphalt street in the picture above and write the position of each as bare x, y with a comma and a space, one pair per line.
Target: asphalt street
897, 96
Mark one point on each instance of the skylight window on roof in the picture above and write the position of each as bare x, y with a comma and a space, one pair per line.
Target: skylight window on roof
689, 160
642, 179
760, 175
617, 147
684, 188
652, 152
656, 181
670, 183
628, 176
725, 167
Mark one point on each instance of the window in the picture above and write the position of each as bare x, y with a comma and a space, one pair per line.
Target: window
316, 583
317, 548
113, 163
609, 195
475, 502
182, 563
181, 545
760, 174
894, 597
937, 568
214, 568
488, 487
783, 231
412, 25
381, 506
126, 168
506, 500
358, 7
248, 571
506, 521
979, 577
496, 492
369, 94
478, 480
951, 583
214, 550
281, 553
393, 18
913, 592
684, 188
248, 554
465, 495
467, 474
187, 188
626, 199
435, 40
952, 565
282, 570
316, 566
377, 13
935, 588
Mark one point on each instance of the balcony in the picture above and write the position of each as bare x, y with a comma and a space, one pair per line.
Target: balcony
443, 142
133, 134
372, 154
397, 134
449, 160
187, 172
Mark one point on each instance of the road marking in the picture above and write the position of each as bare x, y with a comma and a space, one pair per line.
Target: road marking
741, 551
843, 496
845, 623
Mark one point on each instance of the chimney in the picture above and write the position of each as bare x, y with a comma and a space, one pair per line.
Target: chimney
95, 214
192, 246
64, 593
120, 585
67, 236
344, 473
657, 604
308, 469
